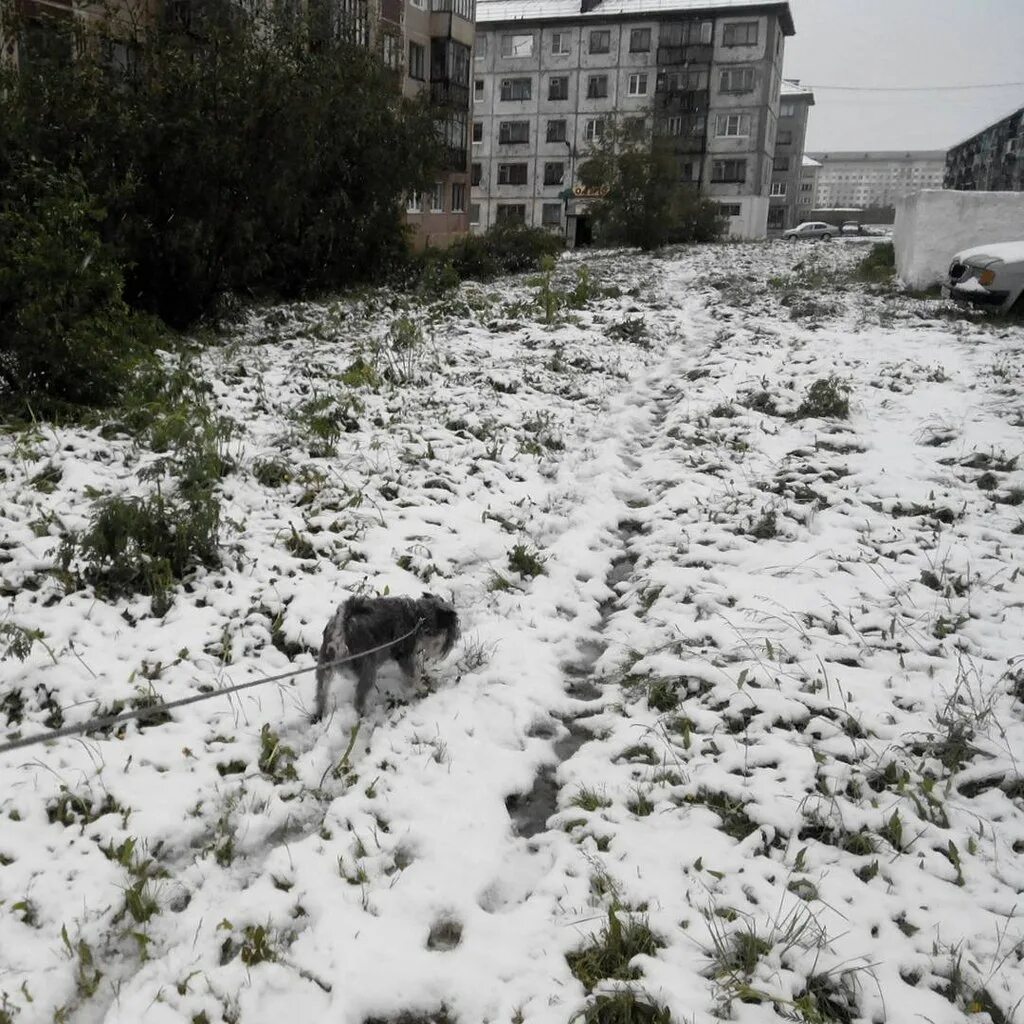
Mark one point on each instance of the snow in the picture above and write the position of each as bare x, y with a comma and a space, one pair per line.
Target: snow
1008, 252
934, 225
836, 605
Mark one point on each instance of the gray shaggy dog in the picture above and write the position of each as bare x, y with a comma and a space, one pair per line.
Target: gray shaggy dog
428, 628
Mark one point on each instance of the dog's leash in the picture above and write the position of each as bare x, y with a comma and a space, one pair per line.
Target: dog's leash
153, 710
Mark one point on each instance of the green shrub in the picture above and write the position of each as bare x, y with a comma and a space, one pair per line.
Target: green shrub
503, 249
145, 545
879, 266
68, 337
827, 396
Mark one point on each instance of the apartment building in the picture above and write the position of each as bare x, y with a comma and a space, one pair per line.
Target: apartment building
795, 102
992, 160
429, 42
549, 76
808, 188
875, 180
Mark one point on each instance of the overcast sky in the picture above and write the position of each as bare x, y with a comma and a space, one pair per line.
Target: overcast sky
874, 43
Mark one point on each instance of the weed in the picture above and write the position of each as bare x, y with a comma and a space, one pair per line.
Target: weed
827, 396
879, 266
589, 800
623, 1007
16, 642
526, 561
735, 822
765, 527
631, 329
322, 419
608, 955
662, 695
361, 374
276, 760
145, 545
71, 809
640, 805
256, 947
396, 356
273, 472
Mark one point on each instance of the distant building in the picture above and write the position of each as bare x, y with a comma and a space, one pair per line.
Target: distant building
550, 74
991, 161
875, 180
808, 187
795, 103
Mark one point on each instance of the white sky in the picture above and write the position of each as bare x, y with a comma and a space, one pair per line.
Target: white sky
905, 43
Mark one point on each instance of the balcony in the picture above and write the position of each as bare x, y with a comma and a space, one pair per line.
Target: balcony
688, 143
445, 93
695, 53
391, 10
456, 159
681, 101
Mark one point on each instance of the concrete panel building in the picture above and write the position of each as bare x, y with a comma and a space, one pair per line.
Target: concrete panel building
991, 161
795, 102
875, 181
549, 76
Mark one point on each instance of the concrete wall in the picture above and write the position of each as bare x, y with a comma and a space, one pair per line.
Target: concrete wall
932, 226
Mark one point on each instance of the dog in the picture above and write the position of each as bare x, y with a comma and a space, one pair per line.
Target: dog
405, 629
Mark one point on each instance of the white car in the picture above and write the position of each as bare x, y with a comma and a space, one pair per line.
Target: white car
812, 229
987, 275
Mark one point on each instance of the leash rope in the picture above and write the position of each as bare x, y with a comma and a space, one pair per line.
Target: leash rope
158, 709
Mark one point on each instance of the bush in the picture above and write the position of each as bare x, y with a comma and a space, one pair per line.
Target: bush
232, 157
68, 337
827, 396
503, 249
145, 545
879, 266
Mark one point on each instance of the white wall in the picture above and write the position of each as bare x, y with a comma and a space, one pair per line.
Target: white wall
932, 226
753, 220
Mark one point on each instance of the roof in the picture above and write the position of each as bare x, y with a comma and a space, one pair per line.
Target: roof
995, 124
879, 154
495, 11
793, 90
809, 161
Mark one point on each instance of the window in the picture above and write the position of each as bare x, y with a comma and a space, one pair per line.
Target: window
781, 163
638, 85
458, 197
511, 213
421, 4
732, 125
556, 131
478, 132
640, 40
594, 129
600, 41
683, 81
514, 45
391, 50
551, 214
689, 171
778, 188
479, 46
554, 173
476, 175
777, 217
478, 90
787, 110
597, 87
740, 33
558, 87
785, 138
730, 209
511, 133
675, 126
737, 80
474, 213
437, 197
417, 61
560, 42
807, 187
516, 89
512, 174
686, 33
729, 170
414, 203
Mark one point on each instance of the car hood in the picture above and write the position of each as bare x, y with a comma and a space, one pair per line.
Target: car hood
998, 252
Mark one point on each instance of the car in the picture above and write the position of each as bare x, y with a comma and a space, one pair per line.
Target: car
812, 229
991, 276
852, 227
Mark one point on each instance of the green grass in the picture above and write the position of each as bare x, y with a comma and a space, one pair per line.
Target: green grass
526, 561
608, 954
590, 800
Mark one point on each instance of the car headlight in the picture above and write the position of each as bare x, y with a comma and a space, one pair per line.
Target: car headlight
986, 277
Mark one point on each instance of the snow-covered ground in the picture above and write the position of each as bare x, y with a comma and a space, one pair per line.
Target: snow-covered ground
764, 698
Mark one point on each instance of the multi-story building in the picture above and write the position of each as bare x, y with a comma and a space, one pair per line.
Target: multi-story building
795, 103
550, 76
808, 187
429, 42
875, 181
992, 160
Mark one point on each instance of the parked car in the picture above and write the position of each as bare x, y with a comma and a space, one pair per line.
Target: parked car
812, 229
853, 227
987, 275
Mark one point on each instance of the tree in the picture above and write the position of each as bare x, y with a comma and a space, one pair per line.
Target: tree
642, 201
